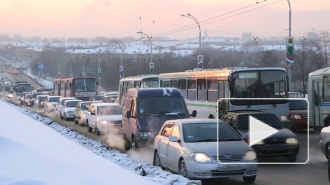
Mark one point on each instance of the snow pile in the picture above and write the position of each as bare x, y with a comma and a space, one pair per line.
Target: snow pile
149, 172
43, 82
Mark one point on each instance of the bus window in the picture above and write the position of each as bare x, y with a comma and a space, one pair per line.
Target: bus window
137, 84
201, 90
165, 83
191, 90
183, 87
326, 89
212, 87
174, 83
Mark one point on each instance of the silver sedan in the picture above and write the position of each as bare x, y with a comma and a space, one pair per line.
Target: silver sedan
325, 141
189, 147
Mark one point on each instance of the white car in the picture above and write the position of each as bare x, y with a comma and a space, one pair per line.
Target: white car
68, 109
60, 106
80, 112
40, 101
104, 117
51, 102
325, 141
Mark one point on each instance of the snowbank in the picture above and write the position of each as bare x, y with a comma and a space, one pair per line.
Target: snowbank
43, 156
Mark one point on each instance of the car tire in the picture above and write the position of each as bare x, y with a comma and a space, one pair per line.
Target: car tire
156, 161
134, 144
327, 151
90, 129
183, 169
61, 115
75, 121
291, 158
249, 180
97, 132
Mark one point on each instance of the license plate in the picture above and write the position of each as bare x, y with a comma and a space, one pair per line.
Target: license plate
230, 167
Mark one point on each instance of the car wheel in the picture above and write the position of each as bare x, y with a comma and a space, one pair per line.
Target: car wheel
90, 129
156, 161
97, 132
134, 144
327, 151
183, 169
75, 121
249, 180
291, 158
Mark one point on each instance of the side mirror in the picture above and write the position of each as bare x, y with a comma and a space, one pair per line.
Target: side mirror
174, 139
128, 114
93, 113
194, 113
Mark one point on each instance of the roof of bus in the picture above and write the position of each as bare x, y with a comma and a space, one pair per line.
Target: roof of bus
324, 71
215, 73
139, 77
74, 78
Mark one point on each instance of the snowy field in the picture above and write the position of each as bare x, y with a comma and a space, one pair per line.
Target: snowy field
34, 152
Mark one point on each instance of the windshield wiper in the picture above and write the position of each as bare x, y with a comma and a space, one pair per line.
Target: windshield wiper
206, 140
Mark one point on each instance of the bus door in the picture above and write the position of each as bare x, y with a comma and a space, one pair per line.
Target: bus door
317, 93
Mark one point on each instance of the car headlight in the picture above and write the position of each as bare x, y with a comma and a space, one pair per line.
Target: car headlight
260, 143
145, 134
103, 122
291, 141
250, 155
295, 117
200, 157
284, 118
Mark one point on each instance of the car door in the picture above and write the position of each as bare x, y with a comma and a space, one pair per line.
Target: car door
174, 149
163, 142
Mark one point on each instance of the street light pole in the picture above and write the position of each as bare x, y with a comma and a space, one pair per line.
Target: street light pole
200, 36
121, 68
289, 64
151, 64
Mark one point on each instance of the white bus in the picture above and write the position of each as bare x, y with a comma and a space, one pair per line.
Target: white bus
140, 81
202, 89
82, 87
319, 98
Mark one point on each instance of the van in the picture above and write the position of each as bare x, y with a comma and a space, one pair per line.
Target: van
146, 110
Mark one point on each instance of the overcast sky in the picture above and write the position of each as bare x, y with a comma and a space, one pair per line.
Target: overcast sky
121, 18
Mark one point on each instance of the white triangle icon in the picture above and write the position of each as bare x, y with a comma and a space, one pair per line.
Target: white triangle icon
259, 130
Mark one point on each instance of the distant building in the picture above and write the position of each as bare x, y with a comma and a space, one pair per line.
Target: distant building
246, 36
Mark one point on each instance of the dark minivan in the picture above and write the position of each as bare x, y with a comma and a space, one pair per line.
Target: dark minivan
283, 143
146, 110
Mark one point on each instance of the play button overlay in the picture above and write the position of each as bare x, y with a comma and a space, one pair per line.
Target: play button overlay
259, 130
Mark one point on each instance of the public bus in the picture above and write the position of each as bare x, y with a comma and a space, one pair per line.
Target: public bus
203, 88
81, 87
22, 86
140, 81
319, 98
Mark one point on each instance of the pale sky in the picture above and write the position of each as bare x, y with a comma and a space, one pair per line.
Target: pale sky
121, 18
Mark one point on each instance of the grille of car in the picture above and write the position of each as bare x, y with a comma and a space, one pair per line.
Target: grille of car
227, 173
229, 157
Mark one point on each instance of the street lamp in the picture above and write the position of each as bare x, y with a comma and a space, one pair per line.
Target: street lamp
151, 64
121, 68
289, 64
200, 57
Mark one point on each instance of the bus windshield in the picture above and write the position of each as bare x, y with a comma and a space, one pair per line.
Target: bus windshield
24, 88
150, 83
259, 84
161, 105
85, 85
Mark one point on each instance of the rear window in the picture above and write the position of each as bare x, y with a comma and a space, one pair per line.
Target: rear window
54, 99
108, 110
71, 103
297, 105
269, 119
85, 106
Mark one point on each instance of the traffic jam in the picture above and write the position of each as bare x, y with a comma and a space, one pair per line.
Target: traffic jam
201, 124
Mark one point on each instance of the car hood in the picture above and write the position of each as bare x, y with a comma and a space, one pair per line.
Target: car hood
298, 112
67, 109
154, 123
225, 147
115, 117
281, 135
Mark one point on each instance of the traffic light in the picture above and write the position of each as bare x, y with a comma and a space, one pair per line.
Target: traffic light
200, 61
151, 68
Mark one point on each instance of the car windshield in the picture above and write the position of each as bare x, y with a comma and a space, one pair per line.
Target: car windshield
71, 103
28, 96
98, 97
85, 85
85, 106
207, 132
36, 94
108, 110
54, 99
63, 100
269, 119
161, 105
42, 98
297, 105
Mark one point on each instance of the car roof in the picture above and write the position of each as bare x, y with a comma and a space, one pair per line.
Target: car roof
73, 100
154, 92
194, 120
248, 112
105, 104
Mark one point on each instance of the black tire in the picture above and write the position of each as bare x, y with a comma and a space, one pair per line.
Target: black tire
75, 121
97, 132
291, 158
249, 180
90, 129
61, 116
128, 144
156, 161
327, 151
134, 144
183, 169
327, 122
